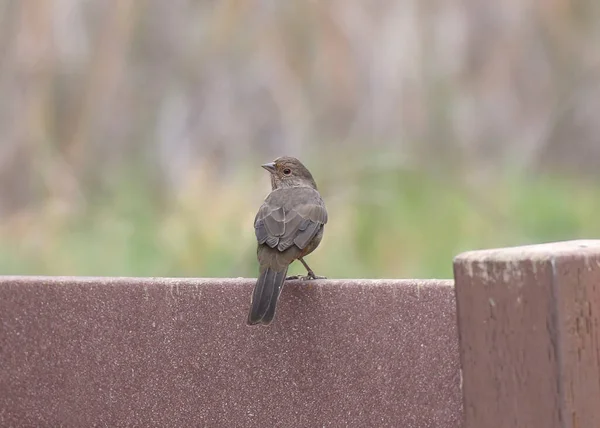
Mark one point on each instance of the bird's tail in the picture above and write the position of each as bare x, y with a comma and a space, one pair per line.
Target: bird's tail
265, 296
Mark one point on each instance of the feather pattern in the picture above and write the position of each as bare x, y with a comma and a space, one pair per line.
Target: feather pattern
281, 223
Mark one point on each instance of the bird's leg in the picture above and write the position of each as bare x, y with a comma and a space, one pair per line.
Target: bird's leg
311, 274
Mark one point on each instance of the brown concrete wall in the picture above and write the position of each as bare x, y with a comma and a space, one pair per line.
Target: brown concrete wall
529, 323
82, 352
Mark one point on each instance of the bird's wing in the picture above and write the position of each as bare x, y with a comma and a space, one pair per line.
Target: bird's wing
290, 217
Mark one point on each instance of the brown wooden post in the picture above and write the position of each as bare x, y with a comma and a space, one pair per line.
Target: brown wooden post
529, 332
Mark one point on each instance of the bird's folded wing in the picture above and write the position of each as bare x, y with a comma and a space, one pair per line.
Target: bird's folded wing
281, 222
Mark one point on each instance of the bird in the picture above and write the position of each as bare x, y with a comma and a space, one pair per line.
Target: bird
288, 226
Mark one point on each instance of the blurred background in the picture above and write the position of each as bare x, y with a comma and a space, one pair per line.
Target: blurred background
132, 132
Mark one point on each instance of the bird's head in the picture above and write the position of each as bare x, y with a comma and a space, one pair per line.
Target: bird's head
287, 171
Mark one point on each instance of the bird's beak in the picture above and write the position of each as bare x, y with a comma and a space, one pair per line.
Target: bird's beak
269, 166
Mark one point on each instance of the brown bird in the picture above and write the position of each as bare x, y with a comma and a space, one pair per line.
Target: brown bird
288, 226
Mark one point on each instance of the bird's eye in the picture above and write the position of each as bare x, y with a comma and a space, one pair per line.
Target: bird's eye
287, 171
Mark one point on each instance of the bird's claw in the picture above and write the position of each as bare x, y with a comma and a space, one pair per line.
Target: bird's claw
309, 277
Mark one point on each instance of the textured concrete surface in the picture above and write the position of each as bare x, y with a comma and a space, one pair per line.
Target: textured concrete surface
82, 352
529, 326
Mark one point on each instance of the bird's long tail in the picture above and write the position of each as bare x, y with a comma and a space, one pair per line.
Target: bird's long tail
265, 296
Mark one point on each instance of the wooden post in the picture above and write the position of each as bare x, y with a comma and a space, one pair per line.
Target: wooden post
529, 334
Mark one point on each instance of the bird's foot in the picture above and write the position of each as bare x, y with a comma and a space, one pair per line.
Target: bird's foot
311, 275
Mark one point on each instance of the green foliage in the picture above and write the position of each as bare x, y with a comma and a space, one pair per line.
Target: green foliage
394, 224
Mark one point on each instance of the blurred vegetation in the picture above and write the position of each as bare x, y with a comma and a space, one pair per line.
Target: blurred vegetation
395, 223
131, 133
